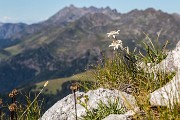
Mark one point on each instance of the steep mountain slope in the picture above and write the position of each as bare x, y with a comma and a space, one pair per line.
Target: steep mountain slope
9, 30
9, 33
73, 38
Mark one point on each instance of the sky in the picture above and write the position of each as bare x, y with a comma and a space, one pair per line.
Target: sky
33, 11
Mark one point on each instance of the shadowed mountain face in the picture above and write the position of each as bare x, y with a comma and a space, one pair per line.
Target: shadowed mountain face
72, 39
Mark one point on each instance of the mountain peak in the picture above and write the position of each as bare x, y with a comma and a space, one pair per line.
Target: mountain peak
67, 14
72, 13
150, 10
137, 12
72, 6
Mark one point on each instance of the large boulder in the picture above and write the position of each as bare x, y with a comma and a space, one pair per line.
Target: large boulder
172, 61
169, 95
65, 109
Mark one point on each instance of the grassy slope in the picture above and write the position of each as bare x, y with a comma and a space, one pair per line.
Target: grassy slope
33, 41
56, 84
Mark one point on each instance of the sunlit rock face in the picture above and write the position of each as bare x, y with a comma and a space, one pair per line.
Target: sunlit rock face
65, 109
169, 95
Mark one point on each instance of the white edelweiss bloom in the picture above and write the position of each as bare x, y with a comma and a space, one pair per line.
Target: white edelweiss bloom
113, 33
116, 44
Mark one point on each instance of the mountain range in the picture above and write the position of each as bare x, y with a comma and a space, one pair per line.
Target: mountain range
72, 39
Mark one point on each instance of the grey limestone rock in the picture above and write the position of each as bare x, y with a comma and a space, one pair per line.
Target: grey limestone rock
64, 109
169, 95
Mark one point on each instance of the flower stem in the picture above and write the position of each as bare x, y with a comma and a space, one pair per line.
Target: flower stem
74, 92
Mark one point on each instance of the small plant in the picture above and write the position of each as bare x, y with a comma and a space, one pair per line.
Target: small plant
154, 54
32, 103
74, 87
13, 105
138, 72
30, 110
103, 110
125, 67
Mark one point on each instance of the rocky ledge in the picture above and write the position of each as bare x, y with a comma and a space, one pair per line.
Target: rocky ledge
65, 110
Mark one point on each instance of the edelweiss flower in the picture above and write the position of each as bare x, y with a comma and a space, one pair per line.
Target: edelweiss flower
116, 44
113, 33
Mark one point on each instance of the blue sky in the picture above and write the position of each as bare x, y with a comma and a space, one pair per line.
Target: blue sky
32, 11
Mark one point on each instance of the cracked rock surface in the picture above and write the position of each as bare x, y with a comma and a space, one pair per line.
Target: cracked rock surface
64, 109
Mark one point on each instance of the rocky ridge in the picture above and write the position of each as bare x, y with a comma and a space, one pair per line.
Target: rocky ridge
74, 38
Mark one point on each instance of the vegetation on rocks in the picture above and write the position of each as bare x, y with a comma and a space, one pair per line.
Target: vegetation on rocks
55, 48
18, 109
136, 74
